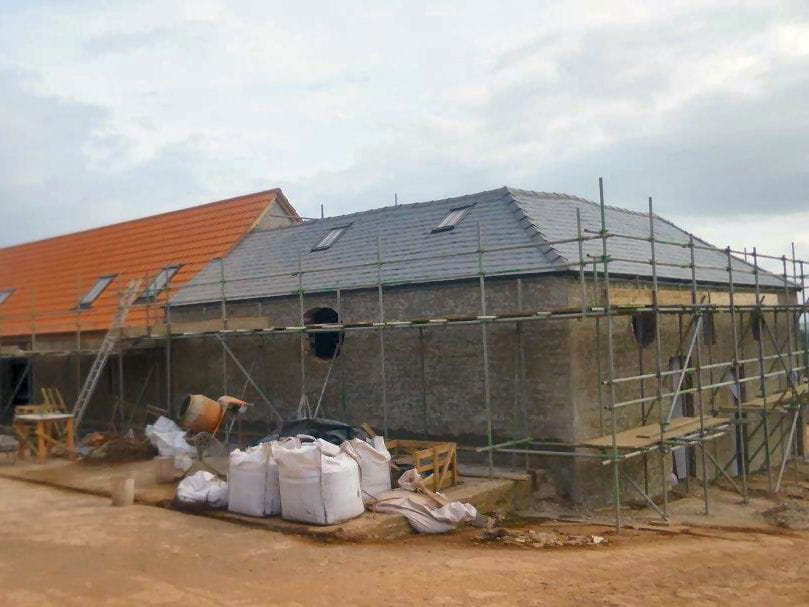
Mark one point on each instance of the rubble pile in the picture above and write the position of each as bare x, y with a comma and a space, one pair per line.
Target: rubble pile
791, 514
538, 539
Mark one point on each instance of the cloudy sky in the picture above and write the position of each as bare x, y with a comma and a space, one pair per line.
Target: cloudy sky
114, 110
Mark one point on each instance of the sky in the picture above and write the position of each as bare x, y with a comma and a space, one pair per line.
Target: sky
116, 110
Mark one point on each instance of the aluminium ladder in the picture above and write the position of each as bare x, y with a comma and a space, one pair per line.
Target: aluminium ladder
87, 390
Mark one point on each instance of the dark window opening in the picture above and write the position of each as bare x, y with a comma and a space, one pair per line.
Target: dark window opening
644, 325
756, 324
734, 389
324, 344
708, 329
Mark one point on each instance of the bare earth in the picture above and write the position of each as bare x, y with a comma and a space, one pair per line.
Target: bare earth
63, 548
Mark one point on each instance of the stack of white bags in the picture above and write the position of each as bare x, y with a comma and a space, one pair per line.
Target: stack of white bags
308, 480
313, 481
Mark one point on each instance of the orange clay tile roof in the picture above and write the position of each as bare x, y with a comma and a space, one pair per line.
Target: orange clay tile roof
50, 276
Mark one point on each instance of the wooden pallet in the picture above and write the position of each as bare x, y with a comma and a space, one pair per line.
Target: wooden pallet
436, 462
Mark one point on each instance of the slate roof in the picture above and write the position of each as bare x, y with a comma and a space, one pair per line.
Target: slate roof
265, 263
49, 277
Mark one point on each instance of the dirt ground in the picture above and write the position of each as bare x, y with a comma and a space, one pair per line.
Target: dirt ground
63, 548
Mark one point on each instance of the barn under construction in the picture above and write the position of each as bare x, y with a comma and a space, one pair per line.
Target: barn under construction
608, 347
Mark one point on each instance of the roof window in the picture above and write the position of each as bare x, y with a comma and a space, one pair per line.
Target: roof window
452, 219
159, 283
102, 283
5, 294
329, 238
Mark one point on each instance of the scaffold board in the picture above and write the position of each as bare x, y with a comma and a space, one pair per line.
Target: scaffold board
646, 436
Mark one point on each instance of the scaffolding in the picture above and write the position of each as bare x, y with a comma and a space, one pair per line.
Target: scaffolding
698, 375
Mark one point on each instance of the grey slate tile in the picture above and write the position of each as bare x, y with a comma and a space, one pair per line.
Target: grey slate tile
265, 263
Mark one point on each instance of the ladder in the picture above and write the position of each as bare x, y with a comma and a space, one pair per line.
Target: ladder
127, 299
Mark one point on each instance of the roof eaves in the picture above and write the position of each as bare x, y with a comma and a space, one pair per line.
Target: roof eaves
722, 250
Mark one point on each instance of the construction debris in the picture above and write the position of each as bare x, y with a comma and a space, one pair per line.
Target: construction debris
116, 449
791, 514
539, 539
427, 511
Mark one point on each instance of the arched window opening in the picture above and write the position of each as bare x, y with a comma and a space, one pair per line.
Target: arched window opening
644, 326
324, 345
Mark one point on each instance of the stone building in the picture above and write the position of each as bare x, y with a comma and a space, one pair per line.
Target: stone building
478, 319
419, 268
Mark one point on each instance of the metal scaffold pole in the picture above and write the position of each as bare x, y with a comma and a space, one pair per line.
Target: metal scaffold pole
521, 372
790, 447
658, 358
699, 324
487, 396
761, 371
740, 433
120, 350
303, 403
804, 320
381, 304
168, 344
610, 359
224, 312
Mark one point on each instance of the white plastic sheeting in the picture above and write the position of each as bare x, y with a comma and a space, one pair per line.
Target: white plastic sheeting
168, 438
423, 514
247, 480
319, 483
203, 488
374, 463
423, 511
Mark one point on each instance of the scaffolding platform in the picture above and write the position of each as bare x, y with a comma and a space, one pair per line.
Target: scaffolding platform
776, 401
649, 435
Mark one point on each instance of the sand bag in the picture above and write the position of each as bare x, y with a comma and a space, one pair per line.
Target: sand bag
319, 485
374, 463
247, 480
272, 496
203, 488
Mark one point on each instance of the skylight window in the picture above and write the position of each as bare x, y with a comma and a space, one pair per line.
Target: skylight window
5, 294
102, 283
452, 219
329, 238
159, 283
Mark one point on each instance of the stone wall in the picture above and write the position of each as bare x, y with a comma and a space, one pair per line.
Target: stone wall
434, 379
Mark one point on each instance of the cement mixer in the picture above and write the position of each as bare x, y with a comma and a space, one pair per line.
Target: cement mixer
203, 417
202, 414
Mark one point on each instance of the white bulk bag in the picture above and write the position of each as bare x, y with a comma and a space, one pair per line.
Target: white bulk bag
247, 480
317, 487
374, 463
272, 496
203, 488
